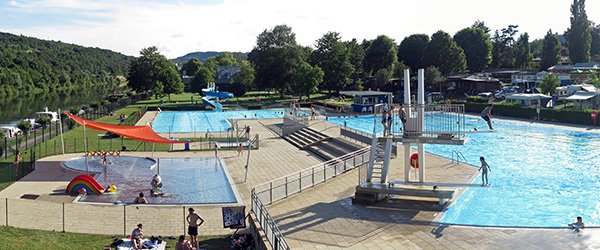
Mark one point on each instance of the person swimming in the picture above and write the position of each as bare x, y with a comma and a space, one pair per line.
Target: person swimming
578, 225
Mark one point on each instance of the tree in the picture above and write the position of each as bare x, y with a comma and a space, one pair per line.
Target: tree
595, 46
549, 84
243, 80
190, 67
380, 54
522, 52
477, 46
536, 47
444, 53
331, 55
148, 69
171, 81
594, 79
273, 58
579, 37
433, 76
502, 51
24, 126
412, 49
550, 54
305, 79
481, 25
357, 56
382, 77
226, 59
201, 79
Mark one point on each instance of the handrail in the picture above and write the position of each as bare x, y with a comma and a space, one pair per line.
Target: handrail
459, 155
272, 231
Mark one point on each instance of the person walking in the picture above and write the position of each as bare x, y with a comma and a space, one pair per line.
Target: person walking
194, 221
484, 171
486, 114
240, 149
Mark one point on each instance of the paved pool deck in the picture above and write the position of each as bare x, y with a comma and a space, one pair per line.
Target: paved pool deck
324, 217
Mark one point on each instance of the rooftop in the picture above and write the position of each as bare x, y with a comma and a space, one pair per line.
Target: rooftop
364, 93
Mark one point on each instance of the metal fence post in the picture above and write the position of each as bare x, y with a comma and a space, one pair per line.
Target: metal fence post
124, 220
184, 220
324, 172
63, 216
313, 177
335, 170
6, 206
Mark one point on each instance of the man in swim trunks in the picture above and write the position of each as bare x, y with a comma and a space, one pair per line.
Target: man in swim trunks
486, 114
577, 225
192, 219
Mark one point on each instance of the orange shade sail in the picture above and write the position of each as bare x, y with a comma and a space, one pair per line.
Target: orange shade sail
140, 133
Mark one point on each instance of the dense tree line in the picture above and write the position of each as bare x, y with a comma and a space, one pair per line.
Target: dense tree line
154, 72
29, 66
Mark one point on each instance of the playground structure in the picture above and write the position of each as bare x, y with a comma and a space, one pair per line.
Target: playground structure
212, 96
448, 128
84, 181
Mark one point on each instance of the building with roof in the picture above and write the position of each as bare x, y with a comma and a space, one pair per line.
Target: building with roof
566, 91
364, 101
585, 100
470, 84
587, 67
532, 100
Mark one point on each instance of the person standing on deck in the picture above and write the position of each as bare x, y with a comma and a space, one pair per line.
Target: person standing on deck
484, 174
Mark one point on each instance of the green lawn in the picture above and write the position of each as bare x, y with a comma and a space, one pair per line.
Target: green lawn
16, 238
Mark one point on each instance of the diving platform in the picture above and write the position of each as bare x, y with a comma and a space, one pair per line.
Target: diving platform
370, 193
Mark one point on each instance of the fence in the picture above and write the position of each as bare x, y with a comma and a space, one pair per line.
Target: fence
294, 183
106, 219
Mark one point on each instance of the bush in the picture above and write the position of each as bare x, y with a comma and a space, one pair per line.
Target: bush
574, 116
253, 106
478, 99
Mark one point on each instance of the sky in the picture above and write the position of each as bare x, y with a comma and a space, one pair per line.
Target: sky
178, 27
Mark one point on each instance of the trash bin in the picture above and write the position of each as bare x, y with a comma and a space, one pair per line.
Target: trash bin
187, 145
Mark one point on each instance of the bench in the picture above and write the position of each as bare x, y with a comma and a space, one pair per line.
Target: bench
418, 191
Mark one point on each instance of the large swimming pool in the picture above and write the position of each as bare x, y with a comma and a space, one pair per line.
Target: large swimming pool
206, 121
541, 176
185, 180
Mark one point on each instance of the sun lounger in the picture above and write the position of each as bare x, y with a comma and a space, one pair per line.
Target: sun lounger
128, 245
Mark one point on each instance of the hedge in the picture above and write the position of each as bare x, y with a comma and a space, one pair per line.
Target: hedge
574, 116
253, 106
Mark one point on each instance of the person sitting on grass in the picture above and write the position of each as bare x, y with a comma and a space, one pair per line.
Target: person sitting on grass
136, 237
577, 225
183, 244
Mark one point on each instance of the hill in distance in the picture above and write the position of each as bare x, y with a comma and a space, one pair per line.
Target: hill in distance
204, 55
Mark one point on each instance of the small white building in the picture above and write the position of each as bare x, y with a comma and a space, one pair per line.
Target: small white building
565, 91
532, 100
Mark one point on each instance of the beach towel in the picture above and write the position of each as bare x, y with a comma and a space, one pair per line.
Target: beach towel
128, 245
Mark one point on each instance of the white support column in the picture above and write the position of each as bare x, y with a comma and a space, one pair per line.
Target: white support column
372, 156
407, 90
406, 162
421, 148
421, 117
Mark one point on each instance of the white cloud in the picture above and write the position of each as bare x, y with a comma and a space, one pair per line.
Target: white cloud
233, 25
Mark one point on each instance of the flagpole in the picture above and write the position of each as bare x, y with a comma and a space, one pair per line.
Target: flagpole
62, 136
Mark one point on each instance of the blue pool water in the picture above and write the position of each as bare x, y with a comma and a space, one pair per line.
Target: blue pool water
203, 121
540, 176
185, 180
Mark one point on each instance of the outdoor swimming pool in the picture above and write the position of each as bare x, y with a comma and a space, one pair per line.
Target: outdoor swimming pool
540, 176
185, 180
203, 121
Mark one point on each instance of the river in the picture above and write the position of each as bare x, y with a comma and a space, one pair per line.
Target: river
14, 109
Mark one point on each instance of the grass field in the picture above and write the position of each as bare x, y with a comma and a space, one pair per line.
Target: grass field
16, 238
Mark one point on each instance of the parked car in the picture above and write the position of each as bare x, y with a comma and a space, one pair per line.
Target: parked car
485, 94
10, 131
506, 91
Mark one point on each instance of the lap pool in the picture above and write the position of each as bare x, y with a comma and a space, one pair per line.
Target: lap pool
541, 176
185, 180
206, 121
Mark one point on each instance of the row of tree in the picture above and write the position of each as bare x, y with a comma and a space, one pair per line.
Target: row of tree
29, 66
279, 62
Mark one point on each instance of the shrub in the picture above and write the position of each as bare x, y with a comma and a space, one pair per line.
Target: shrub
575, 116
478, 99
254, 106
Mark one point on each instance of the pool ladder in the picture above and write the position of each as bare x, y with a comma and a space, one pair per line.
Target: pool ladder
459, 157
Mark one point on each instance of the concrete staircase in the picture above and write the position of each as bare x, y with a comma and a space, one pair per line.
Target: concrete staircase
305, 137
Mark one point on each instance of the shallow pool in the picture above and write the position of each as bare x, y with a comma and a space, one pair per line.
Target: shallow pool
185, 180
540, 176
206, 121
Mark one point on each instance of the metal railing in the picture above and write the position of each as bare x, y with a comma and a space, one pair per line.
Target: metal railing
272, 232
294, 183
459, 157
